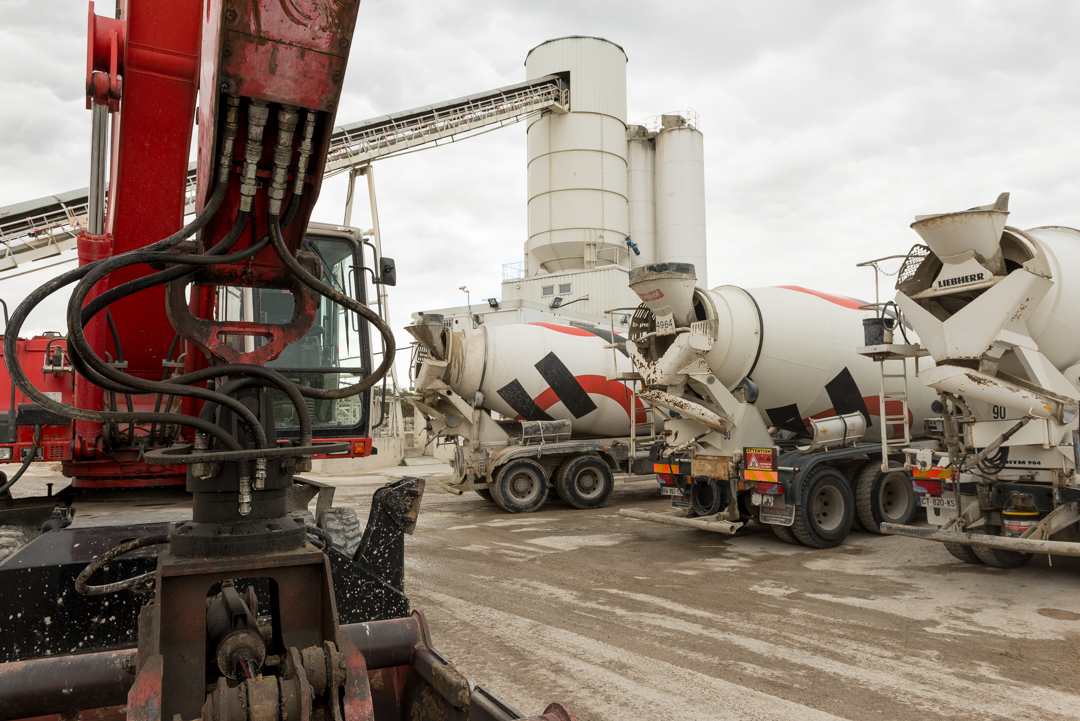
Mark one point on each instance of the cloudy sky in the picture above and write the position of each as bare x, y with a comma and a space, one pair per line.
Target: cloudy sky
828, 125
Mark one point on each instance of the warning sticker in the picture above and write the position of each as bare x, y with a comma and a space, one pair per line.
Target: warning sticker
758, 458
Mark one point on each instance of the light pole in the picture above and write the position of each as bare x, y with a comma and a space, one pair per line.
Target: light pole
468, 301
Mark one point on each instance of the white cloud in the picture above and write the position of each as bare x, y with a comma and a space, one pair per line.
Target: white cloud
828, 125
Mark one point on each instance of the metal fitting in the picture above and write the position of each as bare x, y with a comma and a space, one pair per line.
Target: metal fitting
288, 117
228, 136
258, 112
305, 151
303, 465
260, 473
200, 469
245, 494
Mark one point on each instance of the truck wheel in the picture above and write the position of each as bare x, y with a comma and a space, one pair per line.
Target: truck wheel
707, 497
1000, 558
584, 482
883, 497
785, 534
522, 486
11, 540
963, 552
851, 471
823, 518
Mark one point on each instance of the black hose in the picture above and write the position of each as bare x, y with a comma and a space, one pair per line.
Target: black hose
341, 299
120, 359
92, 568
36, 296
253, 375
77, 338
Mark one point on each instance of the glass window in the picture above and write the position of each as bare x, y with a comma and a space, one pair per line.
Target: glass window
548, 290
564, 288
334, 353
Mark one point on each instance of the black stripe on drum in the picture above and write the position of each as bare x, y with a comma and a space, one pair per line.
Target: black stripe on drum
609, 337
787, 418
516, 397
845, 396
565, 385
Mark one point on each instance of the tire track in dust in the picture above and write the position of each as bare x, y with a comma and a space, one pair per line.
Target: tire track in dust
612, 683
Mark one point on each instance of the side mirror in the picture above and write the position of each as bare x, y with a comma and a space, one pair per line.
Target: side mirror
387, 271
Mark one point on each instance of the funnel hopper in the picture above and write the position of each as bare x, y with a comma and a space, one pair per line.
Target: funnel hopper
955, 237
428, 331
667, 289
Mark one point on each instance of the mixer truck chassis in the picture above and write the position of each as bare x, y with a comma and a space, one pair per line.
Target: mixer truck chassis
810, 498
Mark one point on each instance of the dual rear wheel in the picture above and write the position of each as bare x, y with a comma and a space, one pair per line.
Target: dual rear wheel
522, 486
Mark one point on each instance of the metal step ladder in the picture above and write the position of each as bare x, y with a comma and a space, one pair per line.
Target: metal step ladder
894, 388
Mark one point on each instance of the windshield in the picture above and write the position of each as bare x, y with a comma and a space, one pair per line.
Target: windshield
334, 353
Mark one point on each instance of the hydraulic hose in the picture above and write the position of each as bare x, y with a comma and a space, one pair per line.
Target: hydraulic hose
341, 299
21, 380
77, 338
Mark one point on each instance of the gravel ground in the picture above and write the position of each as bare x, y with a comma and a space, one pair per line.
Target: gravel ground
625, 619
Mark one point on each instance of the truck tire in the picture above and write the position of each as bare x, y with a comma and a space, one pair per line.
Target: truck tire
851, 471
11, 540
785, 534
344, 527
883, 497
826, 509
484, 493
963, 552
522, 486
1000, 558
584, 482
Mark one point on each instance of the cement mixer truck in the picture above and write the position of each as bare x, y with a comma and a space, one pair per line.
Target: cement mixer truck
998, 309
771, 414
530, 408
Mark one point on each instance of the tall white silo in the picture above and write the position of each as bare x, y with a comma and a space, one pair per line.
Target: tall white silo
680, 195
577, 179
641, 165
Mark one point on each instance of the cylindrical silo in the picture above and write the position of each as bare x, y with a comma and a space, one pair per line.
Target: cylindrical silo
578, 215
680, 196
641, 164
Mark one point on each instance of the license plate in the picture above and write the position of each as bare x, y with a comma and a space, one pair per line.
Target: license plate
935, 502
764, 499
778, 516
671, 491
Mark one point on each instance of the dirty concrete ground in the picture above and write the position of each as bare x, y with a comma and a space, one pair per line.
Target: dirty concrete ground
625, 619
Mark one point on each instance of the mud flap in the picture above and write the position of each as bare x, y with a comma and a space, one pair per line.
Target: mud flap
370, 586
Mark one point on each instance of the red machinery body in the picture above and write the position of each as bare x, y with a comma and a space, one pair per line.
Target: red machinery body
146, 65
46, 355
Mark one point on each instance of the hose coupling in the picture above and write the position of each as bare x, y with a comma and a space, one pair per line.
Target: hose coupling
245, 494
305, 149
288, 117
260, 473
200, 469
258, 112
228, 136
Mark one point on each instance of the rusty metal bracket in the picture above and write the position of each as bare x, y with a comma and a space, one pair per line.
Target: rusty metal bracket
207, 334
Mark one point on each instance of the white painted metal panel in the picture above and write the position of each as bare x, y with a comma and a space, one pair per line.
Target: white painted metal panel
597, 70
490, 360
680, 199
577, 181
641, 193
1055, 322
808, 339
